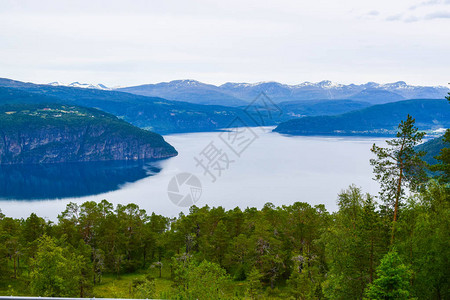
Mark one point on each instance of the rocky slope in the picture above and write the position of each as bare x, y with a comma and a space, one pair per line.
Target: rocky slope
53, 133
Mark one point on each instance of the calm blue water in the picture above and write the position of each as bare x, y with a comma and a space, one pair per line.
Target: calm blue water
272, 168
65, 180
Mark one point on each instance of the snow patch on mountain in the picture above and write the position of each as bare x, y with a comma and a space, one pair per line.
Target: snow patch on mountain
77, 84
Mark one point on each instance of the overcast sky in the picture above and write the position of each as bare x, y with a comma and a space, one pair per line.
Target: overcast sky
136, 42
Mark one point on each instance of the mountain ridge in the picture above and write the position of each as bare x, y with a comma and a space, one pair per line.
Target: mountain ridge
197, 92
161, 115
151, 113
166, 116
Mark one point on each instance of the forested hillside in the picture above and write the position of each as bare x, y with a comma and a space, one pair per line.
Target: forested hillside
54, 133
296, 251
432, 149
375, 120
393, 247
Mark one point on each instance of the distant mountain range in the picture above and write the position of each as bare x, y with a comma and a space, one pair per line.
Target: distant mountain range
167, 116
152, 113
189, 91
239, 94
376, 120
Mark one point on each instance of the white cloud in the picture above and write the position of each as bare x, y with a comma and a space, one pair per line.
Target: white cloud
430, 3
396, 17
410, 19
373, 13
421, 11
438, 15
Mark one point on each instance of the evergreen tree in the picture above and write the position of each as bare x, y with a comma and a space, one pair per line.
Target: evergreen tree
393, 280
424, 241
254, 285
10, 231
399, 166
353, 244
33, 228
299, 283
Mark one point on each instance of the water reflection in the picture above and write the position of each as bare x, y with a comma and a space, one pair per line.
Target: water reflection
50, 181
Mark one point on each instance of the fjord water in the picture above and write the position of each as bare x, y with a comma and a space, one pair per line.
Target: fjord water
273, 168
65, 180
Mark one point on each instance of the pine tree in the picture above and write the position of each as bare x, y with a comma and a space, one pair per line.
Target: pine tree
254, 285
299, 283
399, 166
353, 243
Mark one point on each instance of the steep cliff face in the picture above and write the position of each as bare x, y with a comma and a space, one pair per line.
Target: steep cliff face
32, 134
